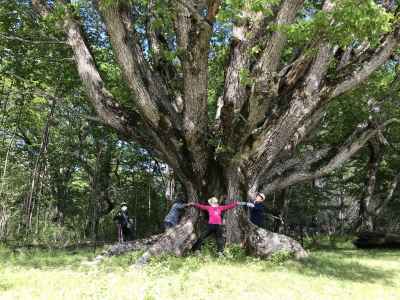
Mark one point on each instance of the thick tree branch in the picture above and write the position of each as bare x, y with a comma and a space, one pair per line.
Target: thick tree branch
152, 97
292, 73
155, 44
265, 88
299, 163
271, 55
193, 39
245, 36
308, 100
357, 140
381, 55
318, 67
107, 108
119, 24
279, 129
193, 7
355, 143
284, 161
158, 45
105, 105
353, 55
212, 11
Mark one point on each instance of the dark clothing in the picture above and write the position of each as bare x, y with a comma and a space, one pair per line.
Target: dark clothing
124, 226
257, 214
122, 218
124, 233
218, 232
174, 213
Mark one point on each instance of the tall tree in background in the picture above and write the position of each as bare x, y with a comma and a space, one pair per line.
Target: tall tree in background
273, 92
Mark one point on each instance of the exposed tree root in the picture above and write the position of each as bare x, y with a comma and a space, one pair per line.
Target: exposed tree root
175, 241
263, 243
179, 240
137, 245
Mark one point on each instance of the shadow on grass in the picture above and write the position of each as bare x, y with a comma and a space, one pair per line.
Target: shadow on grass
373, 253
381, 254
336, 264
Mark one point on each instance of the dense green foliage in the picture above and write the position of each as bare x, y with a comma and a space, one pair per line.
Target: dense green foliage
56, 158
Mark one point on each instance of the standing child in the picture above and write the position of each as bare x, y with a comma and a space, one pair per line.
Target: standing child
214, 225
257, 210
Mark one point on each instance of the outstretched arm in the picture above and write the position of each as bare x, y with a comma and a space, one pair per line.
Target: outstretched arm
248, 204
199, 206
229, 206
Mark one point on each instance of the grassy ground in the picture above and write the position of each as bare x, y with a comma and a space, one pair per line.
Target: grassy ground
327, 274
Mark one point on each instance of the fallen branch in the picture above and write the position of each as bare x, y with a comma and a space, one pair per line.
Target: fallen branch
137, 245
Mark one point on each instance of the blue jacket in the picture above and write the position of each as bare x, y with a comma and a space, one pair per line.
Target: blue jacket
174, 213
257, 214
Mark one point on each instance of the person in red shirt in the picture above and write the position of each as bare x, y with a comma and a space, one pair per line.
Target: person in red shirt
214, 225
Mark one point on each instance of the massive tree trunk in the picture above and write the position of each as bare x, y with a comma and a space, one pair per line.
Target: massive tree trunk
260, 121
235, 191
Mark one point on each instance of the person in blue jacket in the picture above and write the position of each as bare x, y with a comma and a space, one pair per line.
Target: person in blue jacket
257, 210
173, 217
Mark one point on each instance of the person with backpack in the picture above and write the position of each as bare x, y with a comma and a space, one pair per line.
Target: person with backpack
124, 224
214, 225
174, 215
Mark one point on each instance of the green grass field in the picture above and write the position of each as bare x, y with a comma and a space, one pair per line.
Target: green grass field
327, 274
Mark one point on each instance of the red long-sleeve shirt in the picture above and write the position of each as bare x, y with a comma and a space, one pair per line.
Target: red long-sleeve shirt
214, 213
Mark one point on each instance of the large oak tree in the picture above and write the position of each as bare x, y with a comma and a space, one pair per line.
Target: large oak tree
273, 94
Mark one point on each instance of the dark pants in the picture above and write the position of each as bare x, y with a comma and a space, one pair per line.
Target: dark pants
218, 232
128, 233
124, 233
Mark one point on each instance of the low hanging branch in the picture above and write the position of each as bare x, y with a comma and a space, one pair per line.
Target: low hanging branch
357, 140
